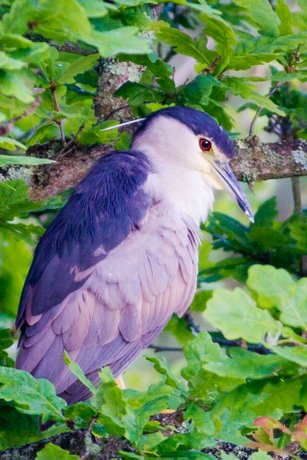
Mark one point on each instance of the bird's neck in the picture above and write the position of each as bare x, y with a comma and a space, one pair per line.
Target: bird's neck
180, 191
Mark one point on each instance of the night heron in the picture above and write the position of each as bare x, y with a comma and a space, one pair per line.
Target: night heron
121, 256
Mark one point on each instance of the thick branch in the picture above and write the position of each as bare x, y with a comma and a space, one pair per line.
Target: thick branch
255, 161
77, 443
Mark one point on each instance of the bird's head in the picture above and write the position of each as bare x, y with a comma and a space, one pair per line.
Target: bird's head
191, 138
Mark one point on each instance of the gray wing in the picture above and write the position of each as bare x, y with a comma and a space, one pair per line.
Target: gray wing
125, 301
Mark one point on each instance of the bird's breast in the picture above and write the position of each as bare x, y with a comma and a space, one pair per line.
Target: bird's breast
181, 192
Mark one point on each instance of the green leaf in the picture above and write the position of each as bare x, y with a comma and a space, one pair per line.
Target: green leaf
76, 370
183, 43
236, 315
121, 40
15, 259
260, 12
109, 401
285, 17
9, 143
266, 213
81, 414
23, 160
49, 18
260, 455
199, 90
223, 34
137, 93
162, 368
5, 342
276, 288
17, 85
265, 103
244, 364
8, 63
30, 395
298, 230
18, 429
80, 65
52, 452
297, 354
228, 233
94, 8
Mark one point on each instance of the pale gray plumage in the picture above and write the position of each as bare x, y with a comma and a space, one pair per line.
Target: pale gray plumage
121, 257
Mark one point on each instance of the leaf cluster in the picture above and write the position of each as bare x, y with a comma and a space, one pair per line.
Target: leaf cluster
267, 241
50, 64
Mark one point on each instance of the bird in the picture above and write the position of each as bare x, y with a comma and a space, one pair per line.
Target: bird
121, 257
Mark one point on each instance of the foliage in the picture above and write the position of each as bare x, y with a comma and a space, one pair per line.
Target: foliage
267, 241
244, 382
49, 71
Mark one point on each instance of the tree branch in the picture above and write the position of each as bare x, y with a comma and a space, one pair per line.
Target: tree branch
256, 161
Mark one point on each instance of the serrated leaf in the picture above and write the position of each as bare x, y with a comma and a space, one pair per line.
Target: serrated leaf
236, 315
199, 90
108, 398
17, 85
298, 230
52, 452
78, 66
285, 16
48, 18
183, 43
15, 259
121, 40
76, 370
162, 368
261, 13
5, 342
266, 103
244, 364
137, 94
94, 8
266, 213
297, 354
81, 413
11, 64
30, 395
223, 34
277, 288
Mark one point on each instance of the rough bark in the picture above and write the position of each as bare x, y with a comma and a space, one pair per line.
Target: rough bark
81, 443
256, 161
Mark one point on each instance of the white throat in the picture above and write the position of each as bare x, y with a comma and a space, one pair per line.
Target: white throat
179, 181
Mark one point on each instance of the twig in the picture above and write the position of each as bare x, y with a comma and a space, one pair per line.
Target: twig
87, 435
71, 48
195, 329
296, 191
270, 93
6, 127
260, 349
57, 109
118, 109
161, 348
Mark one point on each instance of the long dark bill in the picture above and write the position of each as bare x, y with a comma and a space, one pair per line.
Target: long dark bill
228, 178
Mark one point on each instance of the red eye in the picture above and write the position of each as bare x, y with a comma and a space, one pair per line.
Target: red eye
205, 144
